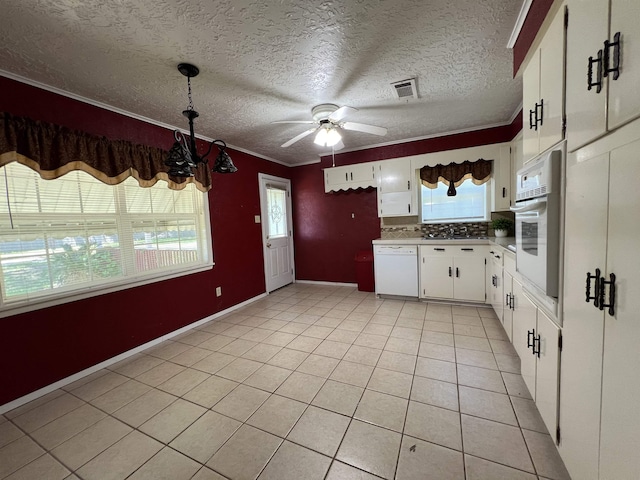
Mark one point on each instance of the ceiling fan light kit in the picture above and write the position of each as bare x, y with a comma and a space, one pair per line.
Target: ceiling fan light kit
183, 157
327, 118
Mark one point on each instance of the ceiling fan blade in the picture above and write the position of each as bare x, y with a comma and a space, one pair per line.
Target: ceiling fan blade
298, 137
341, 113
295, 121
361, 127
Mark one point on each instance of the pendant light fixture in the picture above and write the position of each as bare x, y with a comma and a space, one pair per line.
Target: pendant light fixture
183, 157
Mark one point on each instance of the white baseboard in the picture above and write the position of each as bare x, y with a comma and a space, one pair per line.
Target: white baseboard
334, 284
88, 371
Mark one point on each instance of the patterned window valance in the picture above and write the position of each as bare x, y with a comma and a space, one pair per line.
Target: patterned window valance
454, 174
53, 150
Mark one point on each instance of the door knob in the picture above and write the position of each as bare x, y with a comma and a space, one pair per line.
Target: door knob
268, 245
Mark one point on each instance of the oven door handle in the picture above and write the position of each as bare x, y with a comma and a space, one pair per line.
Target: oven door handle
539, 204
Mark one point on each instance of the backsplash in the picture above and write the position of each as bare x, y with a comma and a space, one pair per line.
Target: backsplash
475, 229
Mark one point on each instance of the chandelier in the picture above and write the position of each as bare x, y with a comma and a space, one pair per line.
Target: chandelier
183, 157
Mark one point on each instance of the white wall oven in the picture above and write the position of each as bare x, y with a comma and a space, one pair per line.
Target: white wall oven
537, 209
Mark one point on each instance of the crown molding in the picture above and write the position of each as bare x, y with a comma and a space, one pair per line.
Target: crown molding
517, 28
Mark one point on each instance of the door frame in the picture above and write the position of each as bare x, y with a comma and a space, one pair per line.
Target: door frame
262, 179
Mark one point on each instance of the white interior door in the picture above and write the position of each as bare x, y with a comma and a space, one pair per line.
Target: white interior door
277, 232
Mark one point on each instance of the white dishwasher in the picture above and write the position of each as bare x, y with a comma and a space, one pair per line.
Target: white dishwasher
396, 270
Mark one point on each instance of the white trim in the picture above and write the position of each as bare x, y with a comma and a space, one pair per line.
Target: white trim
517, 28
515, 114
88, 371
126, 113
335, 284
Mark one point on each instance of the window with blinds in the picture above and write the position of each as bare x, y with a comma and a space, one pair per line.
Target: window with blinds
75, 234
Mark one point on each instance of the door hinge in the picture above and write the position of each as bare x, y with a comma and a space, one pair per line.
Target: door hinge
560, 342
558, 435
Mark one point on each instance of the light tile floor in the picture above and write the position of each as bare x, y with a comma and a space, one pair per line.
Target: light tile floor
311, 382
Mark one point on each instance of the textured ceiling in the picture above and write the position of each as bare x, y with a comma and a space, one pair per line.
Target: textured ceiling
262, 61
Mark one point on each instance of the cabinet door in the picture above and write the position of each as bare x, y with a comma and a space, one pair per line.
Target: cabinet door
507, 322
494, 284
524, 325
395, 204
516, 164
583, 324
586, 109
468, 280
362, 173
620, 443
624, 93
502, 180
436, 276
530, 96
394, 176
336, 178
552, 83
547, 371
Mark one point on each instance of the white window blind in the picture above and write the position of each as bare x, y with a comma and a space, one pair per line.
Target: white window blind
64, 236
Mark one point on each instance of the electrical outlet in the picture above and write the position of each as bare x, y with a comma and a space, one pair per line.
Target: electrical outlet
218, 291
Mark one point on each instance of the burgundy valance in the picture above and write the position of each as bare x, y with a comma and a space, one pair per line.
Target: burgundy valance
454, 174
53, 150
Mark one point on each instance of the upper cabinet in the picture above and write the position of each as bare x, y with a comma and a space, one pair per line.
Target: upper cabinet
396, 189
517, 162
360, 175
603, 68
501, 195
543, 91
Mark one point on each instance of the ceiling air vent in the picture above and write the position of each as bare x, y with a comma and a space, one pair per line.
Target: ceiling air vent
405, 88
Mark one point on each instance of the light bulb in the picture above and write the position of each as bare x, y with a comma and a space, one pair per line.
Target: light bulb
321, 137
333, 137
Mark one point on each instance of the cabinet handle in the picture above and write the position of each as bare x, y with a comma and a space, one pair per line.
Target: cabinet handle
449, 271
409, 207
530, 337
612, 293
590, 82
408, 184
352, 176
536, 340
492, 252
616, 56
512, 303
346, 176
532, 125
457, 273
504, 192
597, 289
541, 117
497, 256
506, 299
467, 249
437, 249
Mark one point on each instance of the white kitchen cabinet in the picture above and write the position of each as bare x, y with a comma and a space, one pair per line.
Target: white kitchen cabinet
517, 162
453, 272
495, 290
536, 340
509, 299
360, 175
601, 359
501, 199
396, 192
597, 103
543, 91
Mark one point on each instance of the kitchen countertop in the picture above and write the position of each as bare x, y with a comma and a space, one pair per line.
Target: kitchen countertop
501, 241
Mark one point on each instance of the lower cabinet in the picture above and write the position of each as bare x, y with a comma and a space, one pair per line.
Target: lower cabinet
536, 339
452, 272
495, 287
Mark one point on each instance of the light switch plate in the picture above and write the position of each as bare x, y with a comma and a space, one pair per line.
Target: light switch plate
257, 218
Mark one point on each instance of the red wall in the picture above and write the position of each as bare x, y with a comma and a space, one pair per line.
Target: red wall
326, 236
536, 15
41, 347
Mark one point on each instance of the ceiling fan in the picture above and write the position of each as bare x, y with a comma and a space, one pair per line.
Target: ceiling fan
327, 120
